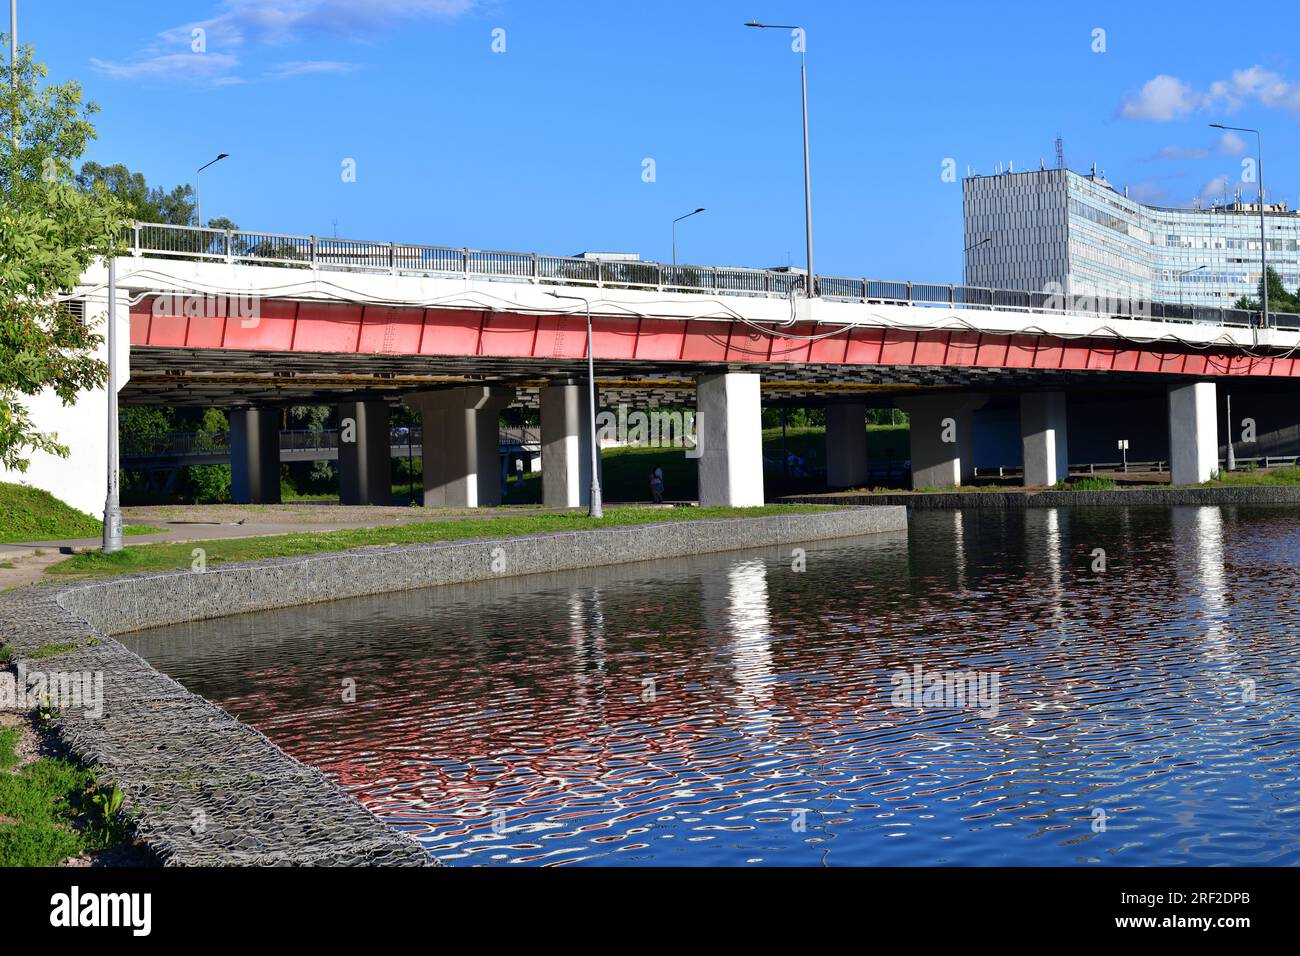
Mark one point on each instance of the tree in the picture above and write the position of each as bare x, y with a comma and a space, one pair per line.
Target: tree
1279, 300
139, 201
50, 233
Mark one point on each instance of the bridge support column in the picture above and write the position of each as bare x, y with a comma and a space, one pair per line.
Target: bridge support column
365, 469
566, 446
731, 440
1193, 433
461, 445
942, 432
846, 445
1043, 436
255, 456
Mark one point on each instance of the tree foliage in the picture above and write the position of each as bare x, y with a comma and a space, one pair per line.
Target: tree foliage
50, 233
139, 200
1279, 299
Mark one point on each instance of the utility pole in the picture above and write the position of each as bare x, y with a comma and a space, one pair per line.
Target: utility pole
13, 61
112, 505
1232, 458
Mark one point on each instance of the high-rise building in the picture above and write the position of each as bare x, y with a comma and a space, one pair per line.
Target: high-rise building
1058, 230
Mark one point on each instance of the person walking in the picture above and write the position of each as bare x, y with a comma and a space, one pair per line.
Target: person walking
657, 485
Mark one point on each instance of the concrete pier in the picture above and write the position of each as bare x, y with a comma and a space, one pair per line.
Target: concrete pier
731, 440
1043, 435
846, 445
461, 444
1193, 433
566, 446
255, 456
943, 438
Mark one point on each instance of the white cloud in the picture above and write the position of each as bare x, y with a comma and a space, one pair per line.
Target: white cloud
1216, 188
1148, 191
1161, 98
1230, 144
171, 67
1164, 98
1180, 152
240, 24
273, 22
308, 67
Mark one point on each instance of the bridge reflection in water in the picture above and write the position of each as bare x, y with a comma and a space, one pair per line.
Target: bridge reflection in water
730, 710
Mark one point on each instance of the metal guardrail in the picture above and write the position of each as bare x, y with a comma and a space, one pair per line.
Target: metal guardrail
316, 252
183, 444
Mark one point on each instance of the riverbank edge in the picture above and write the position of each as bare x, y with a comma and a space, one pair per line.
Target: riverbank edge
1104, 498
206, 789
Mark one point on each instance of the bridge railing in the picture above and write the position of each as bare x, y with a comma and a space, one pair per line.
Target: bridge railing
317, 252
185, 444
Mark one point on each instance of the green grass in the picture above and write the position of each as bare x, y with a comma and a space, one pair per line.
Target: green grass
29, 514
165, 557
50, 810
1086, 483
1254, 478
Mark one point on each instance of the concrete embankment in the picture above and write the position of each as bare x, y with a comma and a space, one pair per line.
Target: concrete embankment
205, 788
1108, 498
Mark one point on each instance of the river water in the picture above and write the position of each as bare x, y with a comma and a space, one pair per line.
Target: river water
1130, 676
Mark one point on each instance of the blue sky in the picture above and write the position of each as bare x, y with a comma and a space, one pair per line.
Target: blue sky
542, 147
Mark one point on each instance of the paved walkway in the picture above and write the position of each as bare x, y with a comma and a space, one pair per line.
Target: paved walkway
207, 522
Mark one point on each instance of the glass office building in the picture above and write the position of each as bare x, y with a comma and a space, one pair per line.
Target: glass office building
1057, 230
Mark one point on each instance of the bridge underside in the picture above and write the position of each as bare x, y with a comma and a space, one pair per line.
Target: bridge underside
460, 367
242, 378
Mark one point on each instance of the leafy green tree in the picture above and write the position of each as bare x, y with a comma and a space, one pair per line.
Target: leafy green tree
1279, 299
50, 232
139, 200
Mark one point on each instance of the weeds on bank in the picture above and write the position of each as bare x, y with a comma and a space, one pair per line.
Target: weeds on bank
52, 809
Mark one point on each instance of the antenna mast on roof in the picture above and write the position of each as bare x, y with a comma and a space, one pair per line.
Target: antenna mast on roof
1060, 153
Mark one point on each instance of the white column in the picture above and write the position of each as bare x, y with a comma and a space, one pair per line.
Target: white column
846, 445
1043, 436
730, 427
1193, 433
255, 456
942, 432
461, 444
566, 446
365, 450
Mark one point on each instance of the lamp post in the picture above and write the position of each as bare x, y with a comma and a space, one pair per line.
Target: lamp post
198, 201
1263, 249
1180, 285
594, 508
112, 504
675, 222
810, 287
1232, 458
13, 60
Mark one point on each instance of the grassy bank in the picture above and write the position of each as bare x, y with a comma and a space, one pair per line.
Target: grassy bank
167, 557
29, 514
51, 808
1256, 478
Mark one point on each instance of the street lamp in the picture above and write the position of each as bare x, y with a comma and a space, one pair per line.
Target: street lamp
112, 502
1263, 250
198, 202
594, 509
1180, 285
810, 287
13, 60
675, 222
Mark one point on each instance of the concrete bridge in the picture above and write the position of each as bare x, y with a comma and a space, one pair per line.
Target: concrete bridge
253, 321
